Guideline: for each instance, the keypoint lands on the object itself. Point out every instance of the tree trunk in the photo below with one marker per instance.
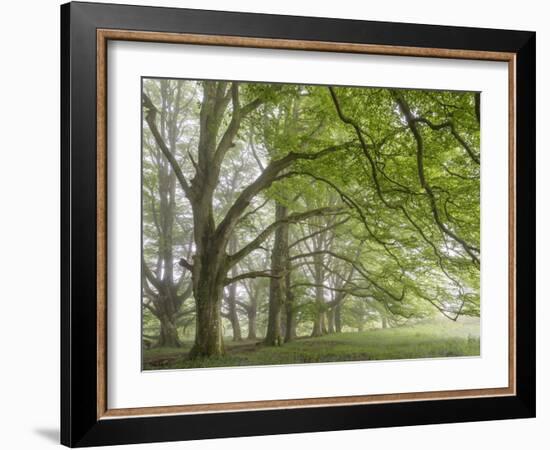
(168, 333)
(252, 312)
(331, 325)
(233, 317)
(338, 318)
(319, 327)
(252, 326)
(231, 298)
(208, 334)
(319, 322)
(290, 326)
(283, 320)
(290, 313)
(209, 273)
(279, 256)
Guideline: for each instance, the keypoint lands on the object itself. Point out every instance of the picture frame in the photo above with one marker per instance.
(86, 418)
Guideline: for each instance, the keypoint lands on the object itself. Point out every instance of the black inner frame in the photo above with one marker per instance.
(79, 423)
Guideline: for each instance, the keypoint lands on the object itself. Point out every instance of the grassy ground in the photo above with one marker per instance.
(420, 341)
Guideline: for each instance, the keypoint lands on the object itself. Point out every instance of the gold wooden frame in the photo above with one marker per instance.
(103, 36)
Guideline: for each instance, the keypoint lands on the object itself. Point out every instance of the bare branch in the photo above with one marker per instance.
(149, 275)
(150, 118)
(358, 267)
(292, 218)
(226, 142)
(322, 230)
(255, 274)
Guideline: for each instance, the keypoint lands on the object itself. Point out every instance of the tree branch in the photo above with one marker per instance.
(404, 107)
(455, 134)
(150, 118)
(184, 263)
(149, 275)
(255, 274)
(358, 267)
(226, 142)
(292, 218)
(322, 230)
(267, 177)
(151, 309)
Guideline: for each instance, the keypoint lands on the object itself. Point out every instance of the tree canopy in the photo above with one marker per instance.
(305, 210)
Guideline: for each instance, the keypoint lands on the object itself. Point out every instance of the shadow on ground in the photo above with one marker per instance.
(50, 434)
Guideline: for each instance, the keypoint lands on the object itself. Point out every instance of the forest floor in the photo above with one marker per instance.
(409, 342)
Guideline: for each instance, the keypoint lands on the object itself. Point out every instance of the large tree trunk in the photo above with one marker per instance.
(209, 274)
(279, 258)
(208, 334)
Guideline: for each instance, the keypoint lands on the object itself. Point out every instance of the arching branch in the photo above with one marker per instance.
(405, 109)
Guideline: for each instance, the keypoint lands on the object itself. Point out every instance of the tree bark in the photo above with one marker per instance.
(319, 327)
(208, 291)
(168, 336)
(279, 258)
(338, 318)
(231, 298)
(233, 316)
(290, 313)
(252, 326)
(290, 317)
(290, 325)
(251, 310)
(331, 327)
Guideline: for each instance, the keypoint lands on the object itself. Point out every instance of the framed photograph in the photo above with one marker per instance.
(276, 224)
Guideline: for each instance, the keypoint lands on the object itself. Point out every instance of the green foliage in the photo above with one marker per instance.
(399, 173)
